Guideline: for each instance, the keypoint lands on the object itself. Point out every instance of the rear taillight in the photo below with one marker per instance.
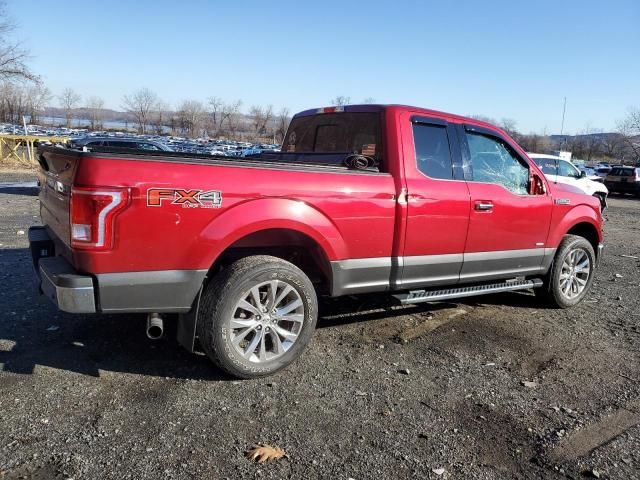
(93, 212)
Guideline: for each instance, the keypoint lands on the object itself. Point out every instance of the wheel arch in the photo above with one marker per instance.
(588, 231)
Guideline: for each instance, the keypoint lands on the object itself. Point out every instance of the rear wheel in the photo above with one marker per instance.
(257, 316)
(571, 274)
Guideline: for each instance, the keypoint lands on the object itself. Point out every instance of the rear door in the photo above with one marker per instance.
(438, 203)
(508, 226)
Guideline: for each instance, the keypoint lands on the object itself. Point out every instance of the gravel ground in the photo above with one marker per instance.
(494, 387)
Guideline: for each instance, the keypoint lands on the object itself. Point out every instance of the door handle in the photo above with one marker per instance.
(484, 206)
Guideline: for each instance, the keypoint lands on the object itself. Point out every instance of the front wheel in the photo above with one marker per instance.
(257, 316)
(603, 200)
(571, 274)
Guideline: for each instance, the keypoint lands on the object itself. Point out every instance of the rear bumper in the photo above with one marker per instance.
(165, 291)
(57, 279)
(69, 291)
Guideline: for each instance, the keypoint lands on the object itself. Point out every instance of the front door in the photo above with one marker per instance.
(437, 204)
(508, 226)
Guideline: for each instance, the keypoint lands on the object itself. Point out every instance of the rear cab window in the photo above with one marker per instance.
(332, 137)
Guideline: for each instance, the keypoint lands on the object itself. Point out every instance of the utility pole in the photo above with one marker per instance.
(564, 140)
(564, 109)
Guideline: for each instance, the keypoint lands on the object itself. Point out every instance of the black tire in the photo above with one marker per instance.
(220, 303)
(603, 200)
(551, 292)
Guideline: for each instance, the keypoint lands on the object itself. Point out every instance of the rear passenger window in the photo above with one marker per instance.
(493, 161)
(433, 157)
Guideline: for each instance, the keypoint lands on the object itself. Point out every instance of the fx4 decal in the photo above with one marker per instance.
(186, 198)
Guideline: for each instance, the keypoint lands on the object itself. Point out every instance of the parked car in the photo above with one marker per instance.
(119, 142)
(558, 170)
(623, 179)
(602, 172)
(423, 205)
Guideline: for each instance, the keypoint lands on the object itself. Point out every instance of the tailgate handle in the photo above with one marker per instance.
(484, 206)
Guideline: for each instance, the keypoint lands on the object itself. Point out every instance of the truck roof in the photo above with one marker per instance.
(383, 107)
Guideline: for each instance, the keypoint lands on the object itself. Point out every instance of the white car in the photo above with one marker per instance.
(562, 171)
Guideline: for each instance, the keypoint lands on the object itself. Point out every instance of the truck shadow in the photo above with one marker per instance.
(33, 333)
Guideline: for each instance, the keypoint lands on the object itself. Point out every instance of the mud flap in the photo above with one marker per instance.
(187, 325)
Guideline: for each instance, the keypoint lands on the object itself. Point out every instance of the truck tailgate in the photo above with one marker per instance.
(57, 171)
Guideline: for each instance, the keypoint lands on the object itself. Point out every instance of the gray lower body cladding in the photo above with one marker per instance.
(401, 273)
(153, 291)
(164, 291)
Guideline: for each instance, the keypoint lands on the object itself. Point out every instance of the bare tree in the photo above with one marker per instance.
(282, 124)
(95, 109)
(484, 118)
(38, 96)
(341, 100)
(69, 100)
(160, 116)
(192, 115)
(592, 143)
(369, 100)
(13, 56)
(261, 118)
(629, 128)
(613, 145)
(229, 113)
(215, 106)
(140, 104)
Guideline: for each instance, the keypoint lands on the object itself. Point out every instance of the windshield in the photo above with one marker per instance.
(344, 132)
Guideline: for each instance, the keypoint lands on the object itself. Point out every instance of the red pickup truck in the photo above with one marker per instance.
(422, 204)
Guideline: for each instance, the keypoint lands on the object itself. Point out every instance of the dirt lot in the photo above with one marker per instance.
(430, 391)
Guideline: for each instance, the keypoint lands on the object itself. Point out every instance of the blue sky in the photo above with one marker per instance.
(502, 59)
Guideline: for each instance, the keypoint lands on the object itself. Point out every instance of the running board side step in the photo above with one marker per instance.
(419, 296)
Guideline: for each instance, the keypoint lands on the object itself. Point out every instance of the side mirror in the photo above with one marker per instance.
(537, 185)
(583, 174)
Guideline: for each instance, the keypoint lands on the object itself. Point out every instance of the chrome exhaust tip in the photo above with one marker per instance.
(155, 326)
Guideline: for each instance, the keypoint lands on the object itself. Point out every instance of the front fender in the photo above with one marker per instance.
(571, 217)
(268, 213)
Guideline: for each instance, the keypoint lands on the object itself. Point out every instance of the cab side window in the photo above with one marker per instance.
(433, 156)
(493, 161)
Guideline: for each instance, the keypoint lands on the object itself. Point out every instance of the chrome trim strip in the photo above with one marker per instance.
(432, 259)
